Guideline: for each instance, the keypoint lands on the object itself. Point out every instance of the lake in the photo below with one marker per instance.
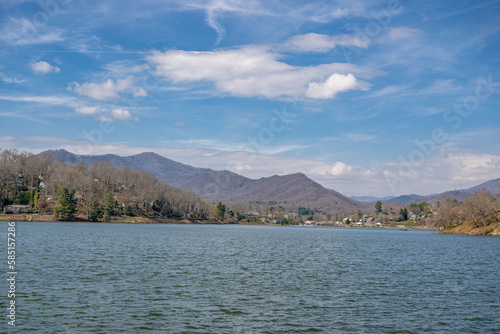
(126, 278)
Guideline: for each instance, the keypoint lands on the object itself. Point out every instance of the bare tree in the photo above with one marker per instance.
(448, 214)
(480, 207)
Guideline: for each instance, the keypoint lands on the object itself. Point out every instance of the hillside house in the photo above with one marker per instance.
(16, 208)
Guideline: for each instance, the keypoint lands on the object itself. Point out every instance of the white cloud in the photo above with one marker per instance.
(140, 93)
(398, 33)
(340, 168)
(283, 13)
(449, 169)
(42, 67)
(122, 114)
(335, 84)
(256, 72)
(11, 80)
(214, 9)
(211, 18)
(359, 137)
(313, 42)
(107, 116)
(105, 91)
(88, 110)
(50, 100)
(104, 118)
(20, 32)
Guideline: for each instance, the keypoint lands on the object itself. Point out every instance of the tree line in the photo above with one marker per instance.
(98, 191)
(481, 208)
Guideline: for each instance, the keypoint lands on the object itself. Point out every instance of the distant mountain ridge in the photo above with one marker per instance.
(492, 186)
(170, 171)
(291, 191)
(370, 199)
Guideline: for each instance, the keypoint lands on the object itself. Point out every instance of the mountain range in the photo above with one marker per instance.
(492, 186)
(290, 191)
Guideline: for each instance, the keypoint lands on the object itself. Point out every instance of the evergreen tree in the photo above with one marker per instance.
(95, 211)
(35, 199)
(109, 205)
(220, 211)
(378, 207)
(403, 214)
(65, 207)
(24, 198)
(127, 211)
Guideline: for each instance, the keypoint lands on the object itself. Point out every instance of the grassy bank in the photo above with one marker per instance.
(469, 228)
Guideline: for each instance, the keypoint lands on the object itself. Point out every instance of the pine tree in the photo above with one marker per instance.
(95, 211)
(127, 211)
(221, 211)
(65, 207)
(403, 214)
(109, 205)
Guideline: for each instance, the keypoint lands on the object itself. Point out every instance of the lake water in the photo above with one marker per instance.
(124, 278)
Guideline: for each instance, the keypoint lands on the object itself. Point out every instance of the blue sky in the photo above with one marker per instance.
(365, 97)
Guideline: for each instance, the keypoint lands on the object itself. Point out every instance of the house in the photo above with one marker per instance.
(16, 208)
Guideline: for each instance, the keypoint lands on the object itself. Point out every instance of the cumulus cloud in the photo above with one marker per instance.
(122, 114)
(335, 84)
(257, 72)
(107, 116)
(448, 169)
(104, 91)
(42, 67)
(340, 168)
(88, 110)
(313, 42)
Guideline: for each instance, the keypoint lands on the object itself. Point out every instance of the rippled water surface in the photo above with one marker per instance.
(124, 278)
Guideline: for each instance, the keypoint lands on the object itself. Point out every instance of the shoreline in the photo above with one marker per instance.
(468, 228)
(26, 217)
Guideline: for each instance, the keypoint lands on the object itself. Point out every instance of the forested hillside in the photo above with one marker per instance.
(95, 191)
